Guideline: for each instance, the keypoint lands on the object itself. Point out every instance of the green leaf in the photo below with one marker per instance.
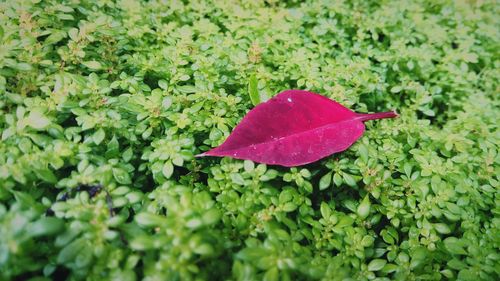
(289, 207)
(121, 176)
(45, 226)
(163, 84)
(396, 89)
(168, 169)
(166, 103)
(149, 219)
(454, 246)
(204, 249)
(93, 65)
(248, 165)
(70, 252)
(187, 89)
(337, 179)
(457, 264)
(363, 152)
(54, 37)
(37, 120)
(349, 180)
(325, 210)
(271, 274)
(325, 181)
(46, 175)
(143, 242)
(376, 264)
(184, 77)
(127, 154)
(253, 91)
(252, 253)
(442, 228)
(364, 208)
(98, 136)
(211, 217)
(388, 268)
(237, 179)
(22, 66)
(345, 221)
(194, 223)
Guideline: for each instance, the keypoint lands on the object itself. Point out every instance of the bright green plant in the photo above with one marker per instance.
(122, 94)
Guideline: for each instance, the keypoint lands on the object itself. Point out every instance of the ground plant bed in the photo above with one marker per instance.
(105, 104)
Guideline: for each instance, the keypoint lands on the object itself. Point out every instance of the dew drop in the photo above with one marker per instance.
(289, 100)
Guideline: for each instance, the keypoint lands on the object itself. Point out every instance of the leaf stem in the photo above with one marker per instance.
(378, 115)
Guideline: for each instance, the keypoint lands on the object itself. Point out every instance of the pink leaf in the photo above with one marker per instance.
(295, 128)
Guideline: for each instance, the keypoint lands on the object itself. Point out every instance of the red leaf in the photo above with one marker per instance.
(295, 128)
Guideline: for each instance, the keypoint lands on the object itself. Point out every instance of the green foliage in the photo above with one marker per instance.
(125, 93)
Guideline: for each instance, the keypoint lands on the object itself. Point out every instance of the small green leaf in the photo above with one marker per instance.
(271, 274)
(187, 89)
(168, 169)
(128, 154)
(93, 65)
(194, 223)
(22, 66)
(325, 210)
(442, 228)
(388, 268)
(289, 207)
(46, 175)
(363, 152)
(73, 33)
(396, 89)
(454, 246)
(248, 165)
(337, 179)
(364, 208)
(55, 36)
(253, 91)
(121, 176)
(457, 264)
(177, 160)
(45, 226)
(98, 136)
(345, 221)
(69, 252)
(211, 216)
(163, 84)
(325, 181)
(184, 77)
(143, 242)
(37, 120)
(149, 219)
(166, 103)
(376, 264)
(204, 249)
(237, 179)
(349, 180)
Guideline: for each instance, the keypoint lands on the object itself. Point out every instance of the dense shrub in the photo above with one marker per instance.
(103, 105)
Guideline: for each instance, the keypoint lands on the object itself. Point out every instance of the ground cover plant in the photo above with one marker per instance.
(103, 105)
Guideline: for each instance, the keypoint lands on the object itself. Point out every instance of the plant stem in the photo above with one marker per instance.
(378, 115)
